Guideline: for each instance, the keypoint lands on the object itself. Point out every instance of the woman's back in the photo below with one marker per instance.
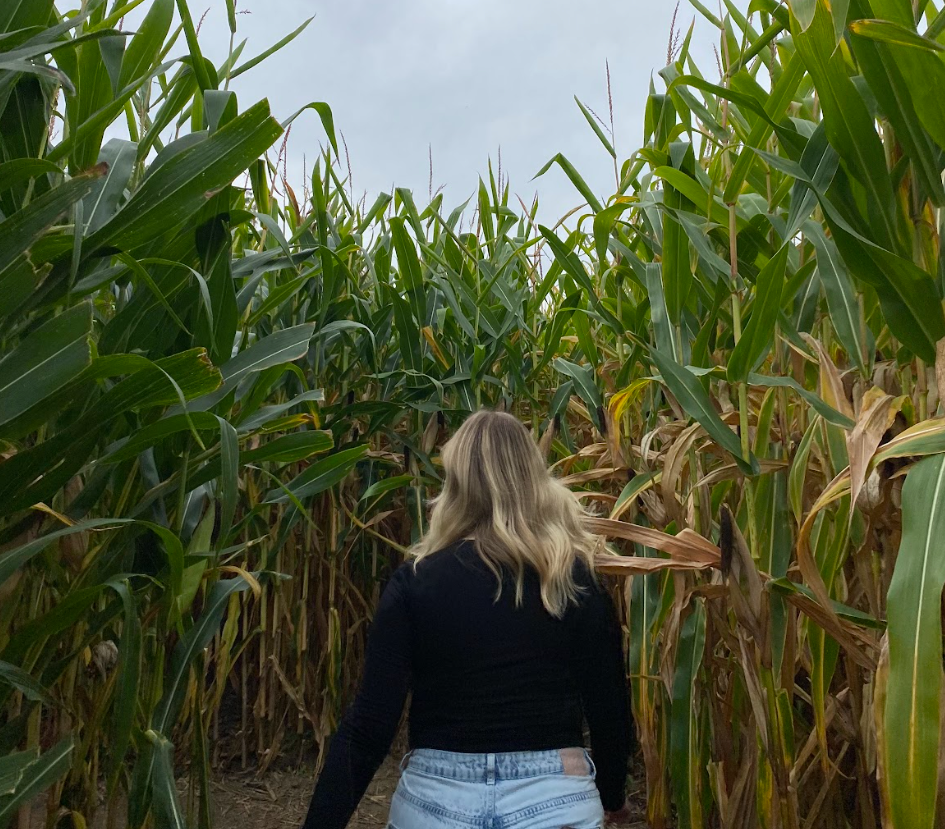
(506, 642)
(489, 676)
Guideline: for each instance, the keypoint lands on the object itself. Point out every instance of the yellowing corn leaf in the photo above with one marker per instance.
(831, 386)
(875, 418)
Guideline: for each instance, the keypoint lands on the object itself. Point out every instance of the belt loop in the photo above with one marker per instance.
(490, 769)
(405, 762)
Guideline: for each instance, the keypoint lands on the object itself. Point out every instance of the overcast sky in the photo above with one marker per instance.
(462, 77)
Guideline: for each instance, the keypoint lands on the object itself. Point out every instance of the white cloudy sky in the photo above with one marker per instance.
(463, 77)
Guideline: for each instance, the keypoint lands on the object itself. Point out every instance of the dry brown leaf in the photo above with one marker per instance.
(831, 385)
(875, 418)
(430, 433)
(858, 645)
(590, 475)
(544, 443)
(688, 546)
(940, 368)
(676, 458)
(638, 565)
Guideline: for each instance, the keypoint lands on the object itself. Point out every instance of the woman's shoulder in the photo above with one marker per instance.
(413, 568)
(459, 550)
(585, 577)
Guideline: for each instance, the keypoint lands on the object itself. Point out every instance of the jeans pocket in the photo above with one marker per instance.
(576, 762)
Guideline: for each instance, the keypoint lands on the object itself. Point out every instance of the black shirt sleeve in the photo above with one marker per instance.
(370, 724)
(603, 683)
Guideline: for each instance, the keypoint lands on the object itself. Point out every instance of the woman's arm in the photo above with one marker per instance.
(370, 724)
(602, 678)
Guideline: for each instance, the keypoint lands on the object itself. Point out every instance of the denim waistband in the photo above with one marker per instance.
(484, 768)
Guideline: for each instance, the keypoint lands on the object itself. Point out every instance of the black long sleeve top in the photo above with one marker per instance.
(486, 676)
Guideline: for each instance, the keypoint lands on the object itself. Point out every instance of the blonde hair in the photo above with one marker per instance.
(499, 492)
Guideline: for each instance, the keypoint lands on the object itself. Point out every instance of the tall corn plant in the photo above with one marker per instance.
(778, 240)
(129, 392)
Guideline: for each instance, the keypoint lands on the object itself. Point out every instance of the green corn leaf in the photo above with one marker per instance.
(585, 385)
(849, 614)
(694, 400)
(756, 339)
(47, 466)
(291, 448)
(827, 412)
(102, 203)
(167, 806)
(596, 126)
(228, 490)
(255, 61)
(186, 650)
(782, 94)
(217, 329)
(13, 560)
(676, 263)
(892, 74)
(635, 487)
(144, 49)
(320, 475)
(267, 414)
(569, 261)
(663, 330)
(908, 295)
(604, 223)
(23, 229)
(153, 434)
(841, 299)
(12, 767)
(803, 10)
(48, 359)
(685, 768)
(847, 120)
(128, 676)
(36, 778)
(23, 682)
(382, 487)
(325, 115)
(886, 31)
(188, 180)
(798, 474)
(283, 346)
(912, 715)
(575, 177)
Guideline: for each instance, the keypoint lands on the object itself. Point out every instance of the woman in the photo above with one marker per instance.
(504, 638)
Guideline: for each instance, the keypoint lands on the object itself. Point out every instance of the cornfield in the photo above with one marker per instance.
(221, 400)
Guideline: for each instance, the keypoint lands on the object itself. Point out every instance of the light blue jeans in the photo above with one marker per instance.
(523, 790)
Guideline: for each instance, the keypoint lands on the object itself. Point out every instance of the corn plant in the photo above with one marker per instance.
(781, 227)
(121, 331)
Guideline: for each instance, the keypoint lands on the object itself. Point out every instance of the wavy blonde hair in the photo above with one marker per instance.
(499, 493)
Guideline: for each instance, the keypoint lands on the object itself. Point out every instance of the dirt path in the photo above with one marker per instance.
(280, 799)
